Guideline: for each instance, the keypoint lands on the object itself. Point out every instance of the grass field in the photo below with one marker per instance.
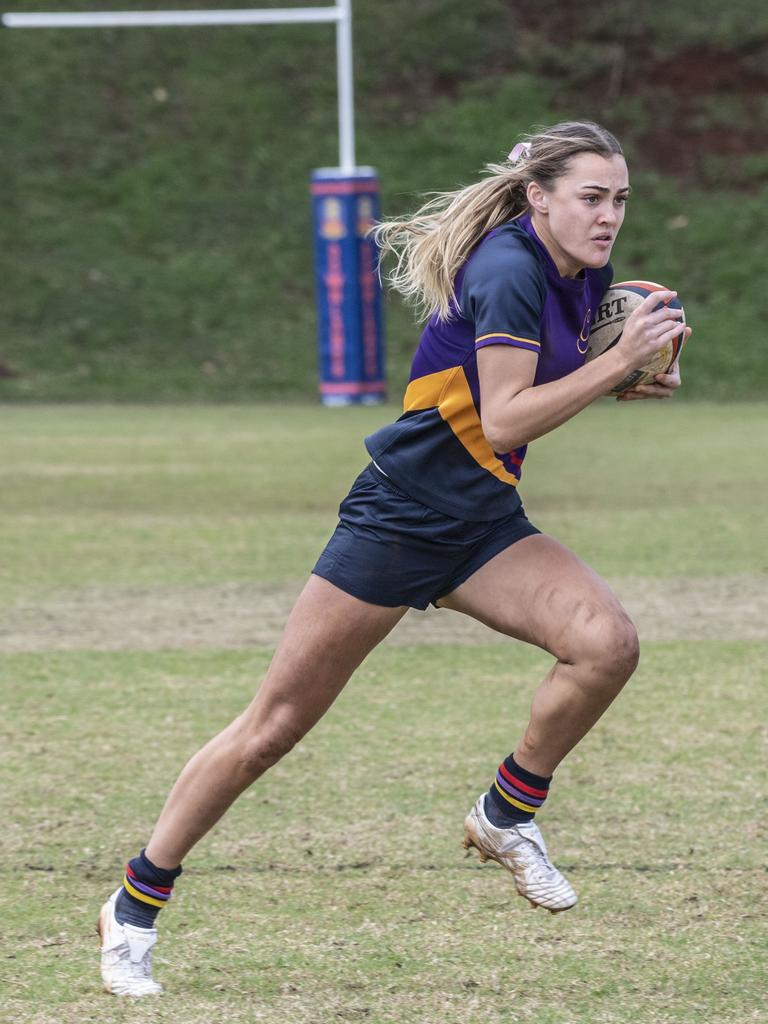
(147, 557)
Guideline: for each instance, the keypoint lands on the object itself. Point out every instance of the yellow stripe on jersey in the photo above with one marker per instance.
(514, 337)
(448, 392)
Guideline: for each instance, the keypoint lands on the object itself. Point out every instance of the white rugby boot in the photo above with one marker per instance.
(521, 850)
(126, 954)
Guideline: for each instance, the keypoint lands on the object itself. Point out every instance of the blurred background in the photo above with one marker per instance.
(156, 242)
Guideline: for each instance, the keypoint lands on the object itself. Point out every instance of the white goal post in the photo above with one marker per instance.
(345, 200)
(341, 14)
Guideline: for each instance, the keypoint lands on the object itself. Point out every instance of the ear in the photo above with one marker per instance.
(537, 197)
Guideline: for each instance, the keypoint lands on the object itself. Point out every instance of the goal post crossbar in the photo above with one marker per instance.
(138, 19)
(340, 14)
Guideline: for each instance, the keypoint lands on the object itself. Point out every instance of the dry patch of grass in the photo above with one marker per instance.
(243, 615)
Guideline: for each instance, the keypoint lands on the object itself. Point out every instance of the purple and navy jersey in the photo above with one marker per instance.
(509, 293)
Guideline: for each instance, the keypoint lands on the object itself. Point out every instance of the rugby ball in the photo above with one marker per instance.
(608, 324)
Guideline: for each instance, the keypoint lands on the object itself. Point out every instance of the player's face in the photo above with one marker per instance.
(579, 219)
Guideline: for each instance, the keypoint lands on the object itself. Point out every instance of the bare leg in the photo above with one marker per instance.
(540, 592)
(327, 636)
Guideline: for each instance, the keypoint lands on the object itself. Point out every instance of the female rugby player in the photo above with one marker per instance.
(509, 270)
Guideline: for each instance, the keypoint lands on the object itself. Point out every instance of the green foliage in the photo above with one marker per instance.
(687, 23)
(157, 245)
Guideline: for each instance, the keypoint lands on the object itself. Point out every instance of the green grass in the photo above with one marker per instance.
(149, 496)
(336, 889)
(157, 245)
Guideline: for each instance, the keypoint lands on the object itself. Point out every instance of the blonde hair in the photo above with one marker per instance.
(432, 244)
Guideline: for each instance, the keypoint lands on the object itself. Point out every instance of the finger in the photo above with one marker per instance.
(664, 295)
(646, 391)
(635, 396)
(670, 379)
(665, 313)
(665, 332)
(652, 391)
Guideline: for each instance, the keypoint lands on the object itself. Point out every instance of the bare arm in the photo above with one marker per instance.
(515, 412)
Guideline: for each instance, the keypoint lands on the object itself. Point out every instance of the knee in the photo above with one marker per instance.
(624, 646)
(610, 646)
(262, 747)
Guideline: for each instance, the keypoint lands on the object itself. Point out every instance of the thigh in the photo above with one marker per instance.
(538, 591)
(328, 634)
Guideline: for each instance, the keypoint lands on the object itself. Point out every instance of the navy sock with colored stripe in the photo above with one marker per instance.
(146, 890)
(515, 795)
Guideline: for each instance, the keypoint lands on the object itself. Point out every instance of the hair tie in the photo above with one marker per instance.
(521, 152)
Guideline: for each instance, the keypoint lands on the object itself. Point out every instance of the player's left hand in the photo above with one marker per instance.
(664, 387)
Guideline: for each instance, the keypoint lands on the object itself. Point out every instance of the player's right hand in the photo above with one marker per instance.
(648, 329)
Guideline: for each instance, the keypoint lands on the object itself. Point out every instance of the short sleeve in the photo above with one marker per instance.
(503, 293)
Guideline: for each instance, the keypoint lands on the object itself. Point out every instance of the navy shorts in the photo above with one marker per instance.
(391, 550)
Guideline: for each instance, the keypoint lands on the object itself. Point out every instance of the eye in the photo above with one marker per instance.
(622, 199)
(592, 200)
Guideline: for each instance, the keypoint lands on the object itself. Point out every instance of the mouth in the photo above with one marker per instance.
(605, 239)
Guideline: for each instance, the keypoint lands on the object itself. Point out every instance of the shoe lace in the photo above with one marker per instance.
(537, 857)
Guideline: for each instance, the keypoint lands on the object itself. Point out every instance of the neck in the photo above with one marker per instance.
(565, 266)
